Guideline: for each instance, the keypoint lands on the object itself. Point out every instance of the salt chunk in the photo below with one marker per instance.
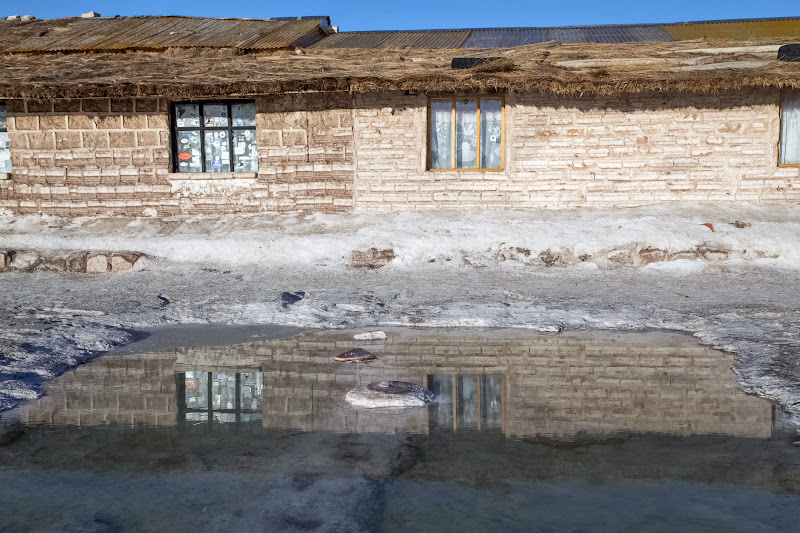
(370, 336)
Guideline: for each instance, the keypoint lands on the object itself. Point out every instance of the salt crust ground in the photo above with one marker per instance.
(232, 270)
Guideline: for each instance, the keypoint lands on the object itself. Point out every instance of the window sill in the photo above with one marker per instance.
(788, 165)
(212, 175)
(5, 176)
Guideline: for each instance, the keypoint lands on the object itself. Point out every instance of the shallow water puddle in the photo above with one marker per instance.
(577, 431)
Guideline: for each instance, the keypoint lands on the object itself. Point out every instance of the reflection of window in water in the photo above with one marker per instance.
(220, 396)
(467, 400)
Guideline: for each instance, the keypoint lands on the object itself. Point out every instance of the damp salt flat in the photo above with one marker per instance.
(533, 432)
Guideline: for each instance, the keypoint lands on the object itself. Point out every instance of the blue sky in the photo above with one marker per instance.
(419, 14)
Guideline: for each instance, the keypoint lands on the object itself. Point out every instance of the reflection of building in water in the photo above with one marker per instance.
(219, 396)
(467, 401)
(551, 385)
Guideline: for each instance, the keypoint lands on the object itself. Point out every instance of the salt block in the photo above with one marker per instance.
(369, 336)
(356, 354)
(25, 260)
(123, 261)
(97, 263)
(390, 394)
(76, 262)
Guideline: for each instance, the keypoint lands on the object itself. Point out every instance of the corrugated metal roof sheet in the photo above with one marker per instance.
(164, 32)
(505, 37)
(398, 39)
(509, 37)
(735, 29)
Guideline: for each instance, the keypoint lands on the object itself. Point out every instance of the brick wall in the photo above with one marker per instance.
(79, 157)
(306, 152)
(587, 151)
(554, 385)
(341, 152)
(112, 156)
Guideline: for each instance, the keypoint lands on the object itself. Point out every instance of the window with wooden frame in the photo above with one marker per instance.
(466, 133)
(789, 147)
(214, 137)
(5, 152)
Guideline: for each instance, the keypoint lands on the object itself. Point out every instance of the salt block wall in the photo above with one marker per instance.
(588, 151)
(112, 156)
(336, 152)
(81, 157)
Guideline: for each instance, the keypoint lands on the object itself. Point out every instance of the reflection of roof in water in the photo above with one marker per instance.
(517, 382)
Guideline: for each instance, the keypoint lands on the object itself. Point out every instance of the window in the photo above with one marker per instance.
(790, 128)
(207, 134)
(220, 396)
(466, 133)
(468, 401)
(5, 153)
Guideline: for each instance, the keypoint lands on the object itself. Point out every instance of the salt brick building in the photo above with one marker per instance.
(175, 115)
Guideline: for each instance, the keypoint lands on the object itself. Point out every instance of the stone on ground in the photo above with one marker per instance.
(356, 354)
(370, 335)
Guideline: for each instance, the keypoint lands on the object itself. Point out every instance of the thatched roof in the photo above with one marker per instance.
(698, 65)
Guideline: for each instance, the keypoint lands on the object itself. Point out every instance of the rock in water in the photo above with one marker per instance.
(390, 394)
(356, 354)
(369, 336)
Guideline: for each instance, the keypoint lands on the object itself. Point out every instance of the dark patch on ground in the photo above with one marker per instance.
(291, 298)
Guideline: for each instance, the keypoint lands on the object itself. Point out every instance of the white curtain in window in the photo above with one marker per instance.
(491, 132)
(790, 128)
(441, 132)
(5, 153)
(466, 133)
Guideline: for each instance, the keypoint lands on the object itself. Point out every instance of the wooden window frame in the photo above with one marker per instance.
(453, 99)
(780, 132)
(230, 128)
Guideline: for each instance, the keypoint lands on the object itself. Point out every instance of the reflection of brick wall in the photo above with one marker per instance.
(553, 384)
(127, 390)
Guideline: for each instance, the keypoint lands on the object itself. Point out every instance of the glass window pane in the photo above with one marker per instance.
(441, 412)
(215, 116)
(245, 151)
(491, 132)
(218, 156)
(244, 114)
(492, 399)
(467, 401)
(441, 131)
(3, 118)
(196, 417)
(187, 115)
(5, 153)
(466, 133)
(189, 152)
(790, 128)
(223, 388)
(252, 390)
(196, 390)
